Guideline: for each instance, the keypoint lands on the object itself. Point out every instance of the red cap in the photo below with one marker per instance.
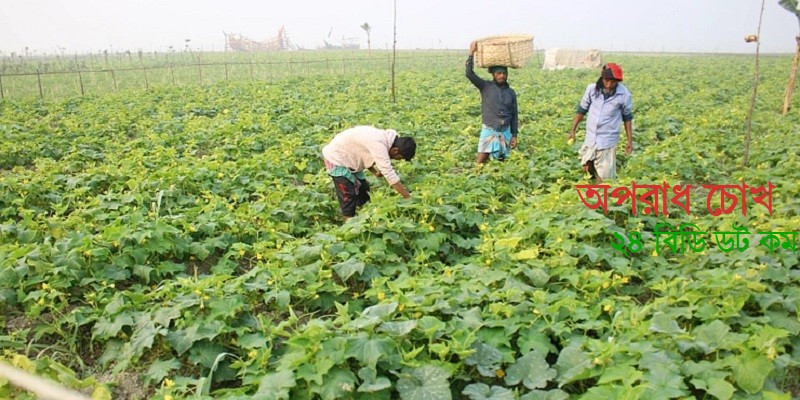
(613, 70)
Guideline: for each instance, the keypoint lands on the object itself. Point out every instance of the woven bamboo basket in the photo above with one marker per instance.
(512, 51)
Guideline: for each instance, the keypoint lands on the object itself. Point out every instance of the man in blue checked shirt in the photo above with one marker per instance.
(607, 103)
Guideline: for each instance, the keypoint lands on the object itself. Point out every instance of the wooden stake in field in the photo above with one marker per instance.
(787, 96)
(80, 79)
(755, 92)
(43, 388)
(39, 81)
(394, 50)
(793, 7)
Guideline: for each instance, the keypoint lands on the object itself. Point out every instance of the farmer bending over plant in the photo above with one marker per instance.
(498, 111)
(357, 149)
(608, 103)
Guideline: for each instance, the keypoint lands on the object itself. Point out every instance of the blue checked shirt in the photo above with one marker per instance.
(605, 115)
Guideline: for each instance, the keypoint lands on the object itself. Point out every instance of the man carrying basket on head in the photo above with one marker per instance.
(498, 110)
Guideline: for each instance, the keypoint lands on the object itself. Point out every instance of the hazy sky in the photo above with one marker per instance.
(611, 25)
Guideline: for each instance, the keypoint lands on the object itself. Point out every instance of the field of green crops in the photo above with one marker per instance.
(57, 78)
(185, 242)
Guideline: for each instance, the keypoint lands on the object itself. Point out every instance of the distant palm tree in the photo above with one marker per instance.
(367, 29)
(793, 7)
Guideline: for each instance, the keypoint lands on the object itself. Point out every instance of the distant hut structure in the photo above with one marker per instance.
(555, 59)
(347, 44)
(350, 43)
(237, 42)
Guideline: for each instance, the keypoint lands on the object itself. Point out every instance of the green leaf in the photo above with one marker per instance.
(425, 383)
(663, 323)
(626, 374)
(225, 307)
(105, 328)
(486, 358)
(716, 335)
(664, 383)
(347, 268)
(784, 320)
(615, 392)
(275, 386)
(308, 372)
(339, 383)
(766, 336)
(532, 370)
(379, 310)
(160, 369)
(66, 375)
(373, 315)
(658, 359)
(334, 349)
(572, 364)
(470, 319)
(497, 337)
(791, 5)
(530, 339)
(705, 369)
(144, 335)
(593, 253)
(709, 376)
(538, 276)
(205, 353)
(101, 392)
(199, 250)
(398, 328)
(282, 297)
(369, 350)
(440, 349)
(164, 315)
(308, 251)
(776, 396)
(555, 394)
(527, 254)
(750, 371)
(251, 341)
(430, 242)
(377, 385)
(481, 391)
(371, 382)
(182, 341)
(507, 243)
(430, 326)
(717, 387)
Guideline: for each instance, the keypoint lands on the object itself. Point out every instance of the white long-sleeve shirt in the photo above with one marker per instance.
(361, 147)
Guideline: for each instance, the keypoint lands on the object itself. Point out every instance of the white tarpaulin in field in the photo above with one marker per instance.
(575, 59)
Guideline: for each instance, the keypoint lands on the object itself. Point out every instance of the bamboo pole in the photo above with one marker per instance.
(43, 388)
(80, 79)
(748, 134)
(394, 52)
(39, 81)
(787, 97)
